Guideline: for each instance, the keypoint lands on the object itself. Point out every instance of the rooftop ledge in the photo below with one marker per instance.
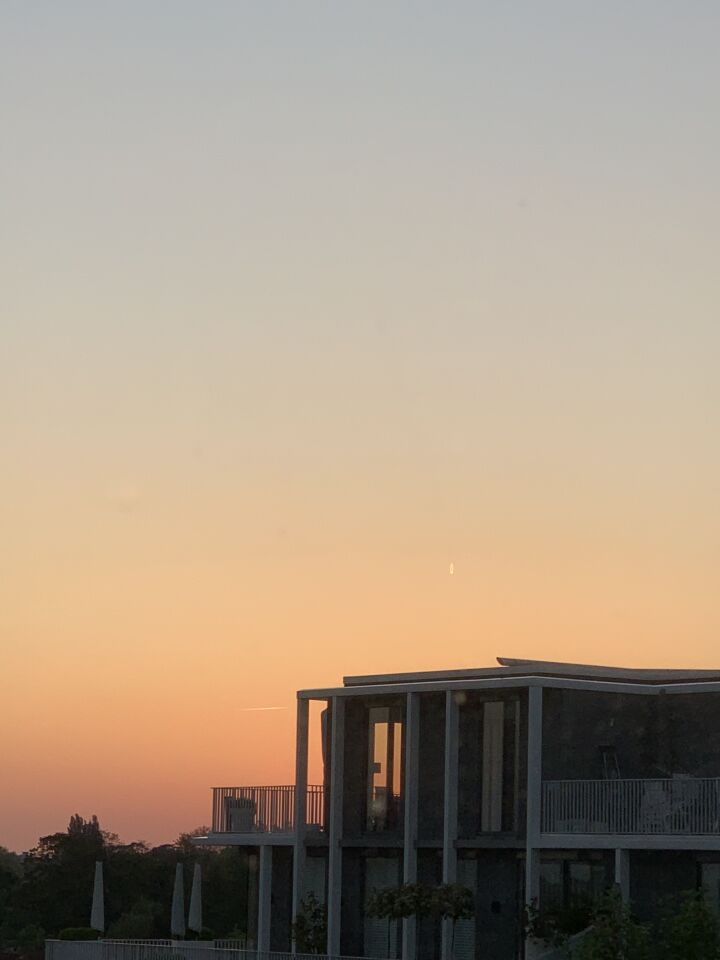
(510, 667)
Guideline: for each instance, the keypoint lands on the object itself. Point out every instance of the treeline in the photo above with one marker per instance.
(50, 887)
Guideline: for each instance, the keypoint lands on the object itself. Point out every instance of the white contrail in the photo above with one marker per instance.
(248, 709)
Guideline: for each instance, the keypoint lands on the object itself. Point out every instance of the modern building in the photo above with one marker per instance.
(529, 781)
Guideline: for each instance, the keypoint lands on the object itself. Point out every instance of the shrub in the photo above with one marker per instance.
(615, 934)
(132, 926)
(79, 933)
(309, 928)
(688, 931)
(555, 926)
(30, 937)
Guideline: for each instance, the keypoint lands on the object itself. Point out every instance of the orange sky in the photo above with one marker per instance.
(302, 304)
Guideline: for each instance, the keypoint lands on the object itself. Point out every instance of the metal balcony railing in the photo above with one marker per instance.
(264, 809)
(161, 950)
(681, 805)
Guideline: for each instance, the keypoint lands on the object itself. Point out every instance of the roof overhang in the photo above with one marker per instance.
(510, 667)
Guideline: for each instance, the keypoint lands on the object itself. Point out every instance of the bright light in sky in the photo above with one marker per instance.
(272, 273)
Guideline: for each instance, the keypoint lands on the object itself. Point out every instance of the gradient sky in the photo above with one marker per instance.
(302, 303)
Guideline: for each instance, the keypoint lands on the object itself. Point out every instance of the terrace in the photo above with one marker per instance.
(678, 806)
(265, 810)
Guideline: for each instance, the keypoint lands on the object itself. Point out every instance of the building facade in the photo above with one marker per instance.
(529, 782)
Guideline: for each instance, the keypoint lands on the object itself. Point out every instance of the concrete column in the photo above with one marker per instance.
(534, 795)
(301, 775)
(622, 874)
(412, 749)
(449, 869)
(264, 897)
(337, 761)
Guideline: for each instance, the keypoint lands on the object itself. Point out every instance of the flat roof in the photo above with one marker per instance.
(509, 667)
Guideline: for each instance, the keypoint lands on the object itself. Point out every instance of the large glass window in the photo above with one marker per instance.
(586, 881)
(710, 882)
(552, 885)
(385, 757)
(571, 882)
(492, 772)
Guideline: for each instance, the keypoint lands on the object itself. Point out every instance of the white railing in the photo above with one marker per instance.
(264, 809)
(161, 950)
(681, 805)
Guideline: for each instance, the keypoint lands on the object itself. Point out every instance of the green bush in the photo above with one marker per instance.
(556, 925)
(79, 933)
(688, 930)
(615, 934)
(30, 937)
(132, 926)
(309, 929)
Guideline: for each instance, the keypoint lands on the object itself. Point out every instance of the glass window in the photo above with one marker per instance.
(586, 880)
(385, 754)
(710, 882)
(551, 884)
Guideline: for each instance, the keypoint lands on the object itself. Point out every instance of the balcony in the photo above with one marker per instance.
(680, 806)
(264, 809)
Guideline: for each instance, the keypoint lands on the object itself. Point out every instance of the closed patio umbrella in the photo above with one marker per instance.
(97, 913)
(195, 912)
(177, 915)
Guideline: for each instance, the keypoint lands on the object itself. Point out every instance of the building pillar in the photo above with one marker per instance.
(622, 874)
(301, 776)
(264, 899)
(412, 749)
(449, 868)
(337, 759)
(534, 796)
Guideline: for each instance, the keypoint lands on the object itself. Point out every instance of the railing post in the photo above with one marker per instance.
(412, 742)
(301, 769)
(449, 867)
(335, 818)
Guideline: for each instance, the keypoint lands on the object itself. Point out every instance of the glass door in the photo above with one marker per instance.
(385, 748)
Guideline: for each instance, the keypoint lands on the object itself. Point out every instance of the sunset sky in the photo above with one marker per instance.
(302, 303)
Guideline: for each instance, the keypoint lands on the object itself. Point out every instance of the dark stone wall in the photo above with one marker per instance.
(497, 905)
(355, 767)
(429, 871)
(470, 758)
(281, 899)
(577, 724)
(351, 911)
(690, 724)
(431, 764)
(653, 736)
